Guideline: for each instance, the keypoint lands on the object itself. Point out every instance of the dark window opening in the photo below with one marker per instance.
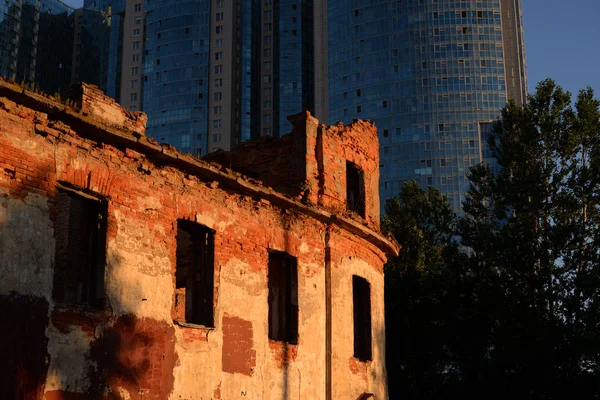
(361, 296)
(283, 297)
(80, 232)
(355, 189)
(194, 273)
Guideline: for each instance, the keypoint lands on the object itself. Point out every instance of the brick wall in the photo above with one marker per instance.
(131, 347)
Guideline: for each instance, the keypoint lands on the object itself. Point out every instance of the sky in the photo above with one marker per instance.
(562, 42)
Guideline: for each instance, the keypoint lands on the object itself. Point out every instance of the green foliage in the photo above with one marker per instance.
(524, 294)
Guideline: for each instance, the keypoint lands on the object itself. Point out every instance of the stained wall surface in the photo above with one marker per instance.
(129, 346)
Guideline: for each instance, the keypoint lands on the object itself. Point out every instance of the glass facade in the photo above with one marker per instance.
(176, 72)
(294, 75)
(430, 74)
(10, 26)
(37, 43)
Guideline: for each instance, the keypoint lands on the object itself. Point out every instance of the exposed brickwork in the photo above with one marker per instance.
(239, 355)
(135, 355)
(130, 347)
(283, 353)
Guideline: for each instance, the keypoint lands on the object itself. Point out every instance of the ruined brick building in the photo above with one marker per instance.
(131, 271)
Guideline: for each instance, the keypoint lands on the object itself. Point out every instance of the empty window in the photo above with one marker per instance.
(283, 298)
(355, 189)
(80, 231)
(361, 296)
(194, 273)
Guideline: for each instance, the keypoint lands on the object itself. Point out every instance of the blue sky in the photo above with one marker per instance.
(562, 40)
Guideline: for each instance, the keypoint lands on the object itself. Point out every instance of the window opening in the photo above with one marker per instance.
(361, 296)
(80, 231)
(194, 273)
(283, 297)
(355, 189)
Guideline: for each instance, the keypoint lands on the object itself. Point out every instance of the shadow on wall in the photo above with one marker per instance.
(120, 356)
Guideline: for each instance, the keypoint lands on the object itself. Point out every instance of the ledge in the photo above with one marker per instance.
(193, 326)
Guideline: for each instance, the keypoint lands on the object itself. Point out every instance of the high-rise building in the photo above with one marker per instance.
(211, 74)
(432, 75)
(36, 43)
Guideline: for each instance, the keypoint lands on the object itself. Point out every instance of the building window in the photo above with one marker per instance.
(267, 91)
(217, 123)
(267, 78)
(283, 298)
(267, 132)
(133, 83)
(137, 8)
(136, 32)
(194, 273)
(218, 110)
(267, 39)
(135, 58)
(220, 3)
(136, 45)
(133, 96)
(134, 71)
(218, 96)
(355, 189)
(80, 231)
(218, 82)
(218, 42)
(267, 52)
(218, 55)
(268, 27)
(267, 105)
(219, 29)
(218, 69)
(361, 299)
(137, 20)
(219, 16)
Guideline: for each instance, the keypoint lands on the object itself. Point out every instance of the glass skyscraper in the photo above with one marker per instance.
(213, 73)
(432, 75)
(37, 42)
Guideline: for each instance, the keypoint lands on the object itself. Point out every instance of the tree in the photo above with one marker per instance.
(505, 301)
(533, 223)
(420, 293)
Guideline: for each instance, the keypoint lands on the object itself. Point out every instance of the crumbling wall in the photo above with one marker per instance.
(130, 347)
(356, 142)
